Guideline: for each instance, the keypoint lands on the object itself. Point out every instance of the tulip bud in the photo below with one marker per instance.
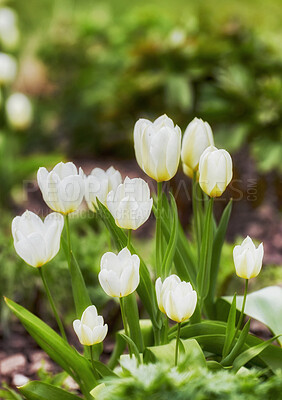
(62, 188)
(119, 275)
(8, 69)
(197, 137)
(98, 185)
(35, 241)
(19, 111)
(90, 329)
(157, 147)
(176, 298)
(215, 169)
(248, 259)
(130, 204)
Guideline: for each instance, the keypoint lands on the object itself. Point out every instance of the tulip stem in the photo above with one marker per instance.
(52, 304)
(92, 362)
(195, 205)
(177, 343)
(159, 231)
(129, 239)
(124, 320)
(68, 237)
(242, 310)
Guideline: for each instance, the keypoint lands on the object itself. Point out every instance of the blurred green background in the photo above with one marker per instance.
(92, 68)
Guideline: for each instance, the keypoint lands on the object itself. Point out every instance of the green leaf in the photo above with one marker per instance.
(132, 315)
(37, 390)
(9, 394)
(216, 255)
(165, 353)
(171, 246)
(56, 347)
(230, 328)
(146, 288)
(79, 290)
(264, 305)
(238, 346)
(252, 352)
(132, 345)
(103, 369)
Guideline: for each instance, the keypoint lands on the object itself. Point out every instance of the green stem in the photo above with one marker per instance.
(195, 205)
(243, 309)
(52, 304)
(177, 342)
(124, 320)
(129, 239)
(92, 362)
(68, 237)
(159, 231)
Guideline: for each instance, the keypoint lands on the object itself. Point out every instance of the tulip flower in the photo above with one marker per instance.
(35, 241)
(119, 275)
(8, 69)
(9, 32)
(176, 298)
(130, 204)
(19, 111)
(197, 137)
(90, 329)
(248, 259)
(62, 188)
(157, 147)
(215, 169)
(98, 185)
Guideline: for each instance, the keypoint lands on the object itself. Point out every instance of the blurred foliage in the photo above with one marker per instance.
(161, 382)
(107, 70)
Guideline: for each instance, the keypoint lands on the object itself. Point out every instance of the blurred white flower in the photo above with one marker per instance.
(176, 298)
(98, 185)
(62, 188)
(9, 32)
(119, 275)
(8, 69)
(130, 204)
(248, 259)
(91, 328)
(35, 241)
(157, 147)
(19, 111)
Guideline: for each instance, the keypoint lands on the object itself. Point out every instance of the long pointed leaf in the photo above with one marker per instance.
(37, 390)
(132, 315)
(171, 246)
(238, 346)
(230, 328)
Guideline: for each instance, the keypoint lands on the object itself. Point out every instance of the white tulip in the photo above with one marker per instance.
(248, 259)
(35, 241)
(130, 204)
(176, 298)
(157, 147)
(9, 33)
(215, 169)
(19, 111)
(62, 188)
(8, 69)
(119, 275)
(197, 137)
(98, 185)
(91, 328)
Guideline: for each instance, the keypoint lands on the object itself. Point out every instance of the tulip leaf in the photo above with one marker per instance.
(79, 290)
(171, 246)
(9, 394)
(215, 261)
(132, 316)
(252, 352)
(119, 348)
(132, 345)
(103, 369)
(238, 346)
(62, 353)
(230, 328)
(264, 305)
(146, 288)
(37, 390)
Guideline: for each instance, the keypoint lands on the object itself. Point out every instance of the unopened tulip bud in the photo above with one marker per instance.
(130, 204)
(248, 259)
(157, 147)
(19, 111)
(176, 298)
(98, 185)
(62, 188)
(215, 171)
(197, 137)
(91, 328)
(35, 241)
(119, 275)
